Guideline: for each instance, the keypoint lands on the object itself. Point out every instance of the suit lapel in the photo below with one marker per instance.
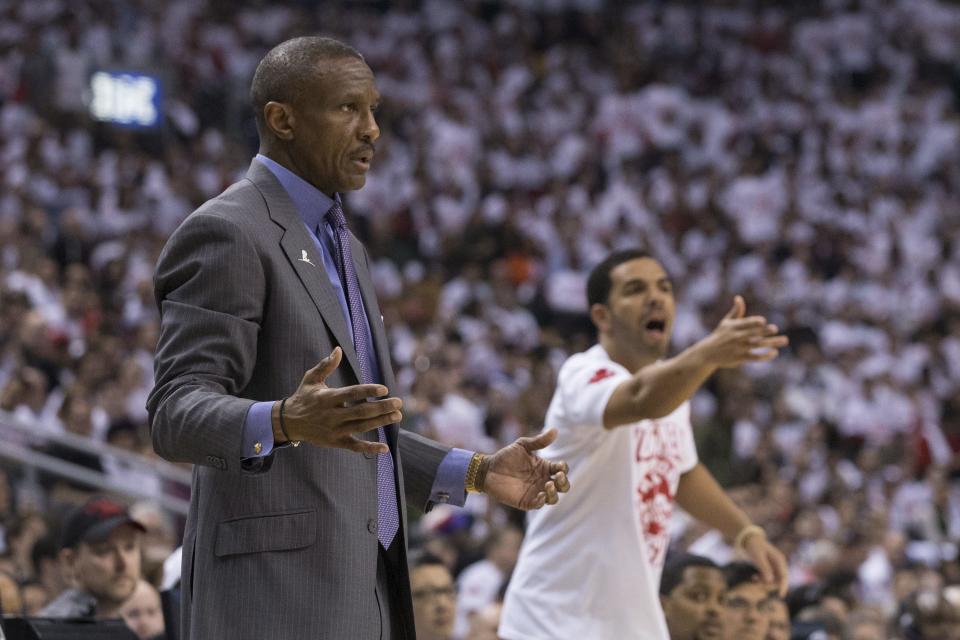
(295, 241)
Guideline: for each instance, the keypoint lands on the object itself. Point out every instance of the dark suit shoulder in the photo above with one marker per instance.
(231, 230)
(239, 211)
(241, 203)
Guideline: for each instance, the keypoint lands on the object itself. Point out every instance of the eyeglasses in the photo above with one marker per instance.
(435, 592)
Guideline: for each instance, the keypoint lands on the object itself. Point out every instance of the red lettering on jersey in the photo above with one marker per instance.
(656, 455)
(600, 375)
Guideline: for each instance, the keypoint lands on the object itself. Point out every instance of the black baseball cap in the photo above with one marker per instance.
(94, 521)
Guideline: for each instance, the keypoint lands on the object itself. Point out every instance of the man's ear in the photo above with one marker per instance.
(600, 315)
(279, 120)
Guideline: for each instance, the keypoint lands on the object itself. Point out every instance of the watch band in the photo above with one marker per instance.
(472, 471)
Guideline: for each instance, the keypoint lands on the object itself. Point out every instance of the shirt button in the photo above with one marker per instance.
(368, 455)
(257, 447)
(372, 526)
(443, 497)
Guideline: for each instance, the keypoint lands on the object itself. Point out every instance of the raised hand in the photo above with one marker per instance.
(738, 339)
(518, 478)
(330, 416)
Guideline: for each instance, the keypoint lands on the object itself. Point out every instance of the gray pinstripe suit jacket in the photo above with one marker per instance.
(285, 548)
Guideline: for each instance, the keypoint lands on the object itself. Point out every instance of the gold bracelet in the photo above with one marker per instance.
(471, 479)
(745, 533)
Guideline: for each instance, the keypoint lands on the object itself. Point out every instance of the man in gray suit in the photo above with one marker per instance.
(255, 287)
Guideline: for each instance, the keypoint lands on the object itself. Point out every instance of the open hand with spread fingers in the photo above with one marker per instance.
(739, 339)
(519, 478)
(332, 416)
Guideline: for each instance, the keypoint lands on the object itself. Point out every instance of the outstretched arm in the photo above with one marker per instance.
(702, 497)
(658, 389)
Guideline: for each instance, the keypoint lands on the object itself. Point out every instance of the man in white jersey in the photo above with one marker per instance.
(589, 569)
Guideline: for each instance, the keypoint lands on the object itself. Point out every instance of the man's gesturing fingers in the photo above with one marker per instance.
(538, 501)
(361, 446)
(550, 490)
(737, 310)
(538, 442)
(324, 368)
(368, 424)
(328, 416)
(560, 480)
(762, 562)
(750, 324)
(768, 342)
(356, 394)
(367, 410)
(771, 564)
(779, 565)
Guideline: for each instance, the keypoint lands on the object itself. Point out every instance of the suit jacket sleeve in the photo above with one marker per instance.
(421, 457)
(210, 288)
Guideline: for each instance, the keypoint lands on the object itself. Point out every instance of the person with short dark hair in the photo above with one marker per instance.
(46, 564)
(590, 567)
(747, 602)
(434, 598)
(271, 337)
(100, 548)
(691, 593)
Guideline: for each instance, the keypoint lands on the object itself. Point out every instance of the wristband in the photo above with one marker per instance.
(745, 533)
(283, 427)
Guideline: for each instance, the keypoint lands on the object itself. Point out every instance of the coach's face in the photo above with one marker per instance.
(332, 127)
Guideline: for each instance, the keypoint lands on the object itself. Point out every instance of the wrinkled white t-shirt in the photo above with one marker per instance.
(590, 565)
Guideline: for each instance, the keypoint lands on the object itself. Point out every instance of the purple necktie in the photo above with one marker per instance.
(387, 512)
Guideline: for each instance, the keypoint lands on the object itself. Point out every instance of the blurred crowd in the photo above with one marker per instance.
(805, 155)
